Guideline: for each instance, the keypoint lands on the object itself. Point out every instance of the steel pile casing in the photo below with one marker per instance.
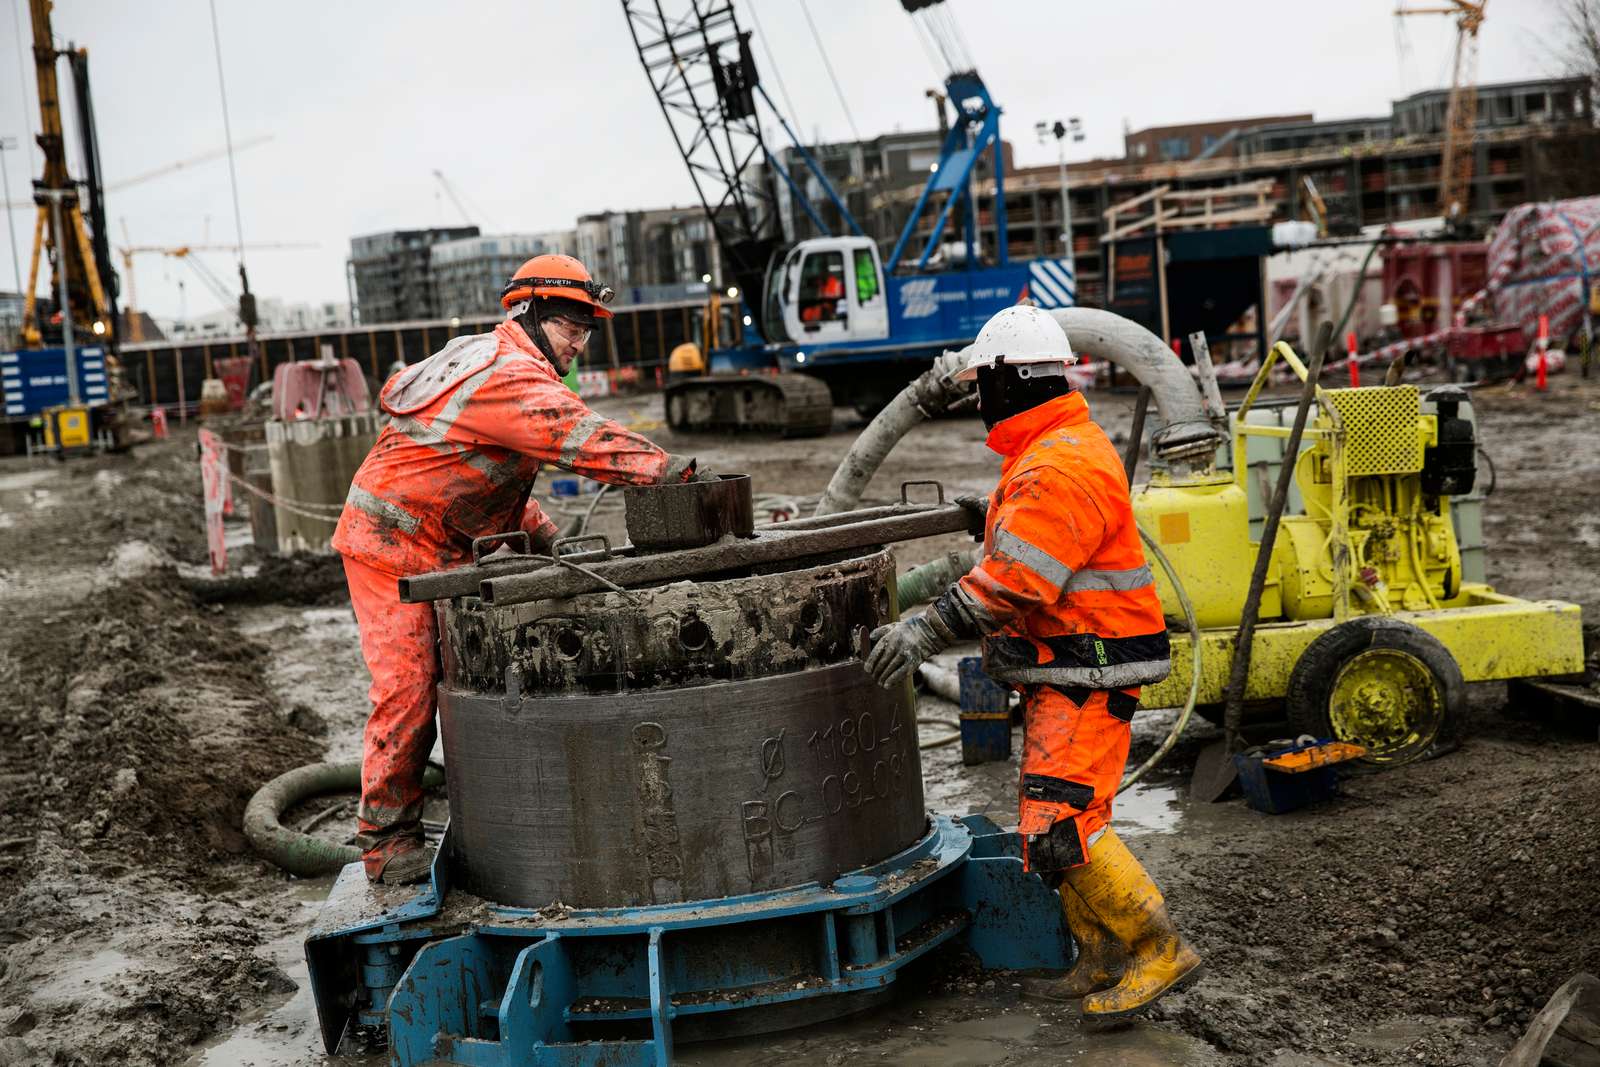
(689, 741)
(313, 462)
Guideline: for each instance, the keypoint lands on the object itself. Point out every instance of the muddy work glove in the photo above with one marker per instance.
(702, 474)
(679, 469)
(544, 538)
(900, 648)
(977, 509)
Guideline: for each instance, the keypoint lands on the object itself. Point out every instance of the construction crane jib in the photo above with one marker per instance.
(1461, 114)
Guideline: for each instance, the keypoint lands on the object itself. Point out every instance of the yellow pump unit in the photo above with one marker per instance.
(1370, 623)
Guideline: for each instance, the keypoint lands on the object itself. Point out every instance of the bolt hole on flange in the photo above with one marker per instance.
(811, 617)
(569, 644)
(883, 603)
(694, 635)
(535, 985)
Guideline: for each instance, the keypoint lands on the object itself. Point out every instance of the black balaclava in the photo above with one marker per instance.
(540, 308)
(1003, 392)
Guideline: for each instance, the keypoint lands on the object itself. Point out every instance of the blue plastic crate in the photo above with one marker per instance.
(985, 715)
(985, 736)
(563, 487)
(1276, 791)
(978, 692)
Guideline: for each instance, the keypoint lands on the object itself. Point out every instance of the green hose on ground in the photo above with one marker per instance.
(302, 854)
(921, 584)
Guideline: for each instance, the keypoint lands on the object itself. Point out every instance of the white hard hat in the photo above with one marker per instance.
(1020, 334)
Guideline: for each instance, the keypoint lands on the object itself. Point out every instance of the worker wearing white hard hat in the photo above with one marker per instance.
(1068, 613)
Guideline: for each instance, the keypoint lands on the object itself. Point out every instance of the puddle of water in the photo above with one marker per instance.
(949, 1052)
(1008, 1027)
(281, 1034)
(919, 1032)
(952, 787)
(1147, 809)
(1139, 1045)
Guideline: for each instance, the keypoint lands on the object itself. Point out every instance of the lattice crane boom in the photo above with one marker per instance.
(704, 78)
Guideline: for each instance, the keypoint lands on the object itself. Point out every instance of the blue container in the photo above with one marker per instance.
(563, 487)
(1275, 792)
(985, 715)
(978, 692)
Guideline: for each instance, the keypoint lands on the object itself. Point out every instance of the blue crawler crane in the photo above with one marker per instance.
(826, 319)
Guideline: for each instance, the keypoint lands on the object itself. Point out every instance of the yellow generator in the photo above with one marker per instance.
(68, 429)
(1375, 613)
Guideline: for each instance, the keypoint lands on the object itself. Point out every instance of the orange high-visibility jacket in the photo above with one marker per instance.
(1062, 594)
(471, 425)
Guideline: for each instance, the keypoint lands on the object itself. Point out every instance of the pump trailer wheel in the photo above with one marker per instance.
(1380, 683)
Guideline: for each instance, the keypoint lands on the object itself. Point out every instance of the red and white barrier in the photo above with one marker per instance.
(214, 480)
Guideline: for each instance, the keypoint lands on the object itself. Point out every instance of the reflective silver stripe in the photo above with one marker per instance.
(1031, 556)
(1111, 581)
(579, 436)
(421, 433)
(1088, 842)
(1115, 676)
(459, 397)
(425, 436)
(381, 509)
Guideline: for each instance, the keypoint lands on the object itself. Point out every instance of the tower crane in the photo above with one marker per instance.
(1461, 114)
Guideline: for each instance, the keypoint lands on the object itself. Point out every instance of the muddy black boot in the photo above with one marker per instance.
(399, 860)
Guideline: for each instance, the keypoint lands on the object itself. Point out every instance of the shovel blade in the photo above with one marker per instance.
(1215, 774)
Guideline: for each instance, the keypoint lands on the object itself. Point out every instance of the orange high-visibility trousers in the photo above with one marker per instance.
(1074, 750)
(400, 644)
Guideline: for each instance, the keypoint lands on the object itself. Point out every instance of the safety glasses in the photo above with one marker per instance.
(571, 331)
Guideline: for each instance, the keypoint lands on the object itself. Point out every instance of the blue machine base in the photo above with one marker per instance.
(464, 981)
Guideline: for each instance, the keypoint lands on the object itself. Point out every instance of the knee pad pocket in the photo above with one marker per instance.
(1042, 787)
(1056, 849)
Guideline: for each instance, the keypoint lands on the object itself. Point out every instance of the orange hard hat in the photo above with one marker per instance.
(557, 277)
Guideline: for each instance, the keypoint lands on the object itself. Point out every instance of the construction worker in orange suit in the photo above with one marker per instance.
(1069, 616)
(470, 427)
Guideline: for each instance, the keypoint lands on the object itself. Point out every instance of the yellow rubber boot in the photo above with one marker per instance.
(1127, 903)
(1100, 956)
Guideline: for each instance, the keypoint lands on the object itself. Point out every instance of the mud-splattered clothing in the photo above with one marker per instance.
(400, 644)
(471, 426)
(1069, 615)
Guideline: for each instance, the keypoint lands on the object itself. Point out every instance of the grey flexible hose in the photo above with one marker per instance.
(1186, 441)
(930, 393)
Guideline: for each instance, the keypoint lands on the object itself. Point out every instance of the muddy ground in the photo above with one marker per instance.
(1420, 919)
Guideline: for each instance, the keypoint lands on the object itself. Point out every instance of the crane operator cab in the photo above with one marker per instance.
(830, 289)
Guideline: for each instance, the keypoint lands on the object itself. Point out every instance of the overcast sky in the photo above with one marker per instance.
(538, 111)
